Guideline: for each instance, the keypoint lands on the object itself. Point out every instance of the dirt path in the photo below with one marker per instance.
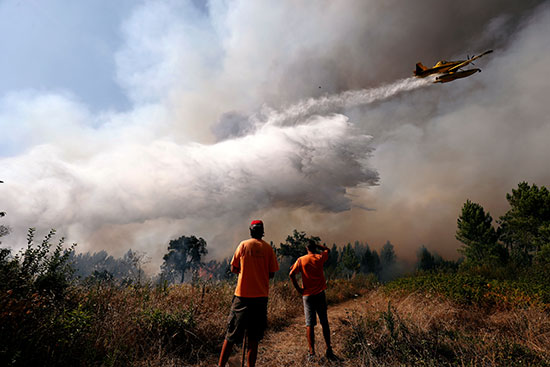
(288, 347)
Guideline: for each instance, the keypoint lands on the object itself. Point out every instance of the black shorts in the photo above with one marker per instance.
(315, 304)
(247, 314)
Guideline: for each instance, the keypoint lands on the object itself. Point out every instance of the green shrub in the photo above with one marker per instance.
(173, 329)
(474, 289)
(340, 289)
(41, 322)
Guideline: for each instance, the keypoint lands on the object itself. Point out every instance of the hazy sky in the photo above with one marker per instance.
(125, 124)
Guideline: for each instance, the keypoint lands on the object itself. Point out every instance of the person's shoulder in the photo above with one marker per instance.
(306, 257)
(244, 242)
(242, 245)
(255, 242)
(267, 246)
(248, 242)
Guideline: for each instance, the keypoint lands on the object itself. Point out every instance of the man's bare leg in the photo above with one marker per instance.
(310, 332)
(226, 351)
(252, 352)
(326, 334)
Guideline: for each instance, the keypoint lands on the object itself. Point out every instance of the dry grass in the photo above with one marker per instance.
(184, 325)
(375, 329)
(529, 327)
(419, 329)
(181, 325)
(147, 326)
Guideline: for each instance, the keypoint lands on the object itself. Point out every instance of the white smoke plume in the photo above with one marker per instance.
(310, 164)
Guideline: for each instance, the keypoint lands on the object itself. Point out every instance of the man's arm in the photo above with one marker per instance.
(236, 260)
(295, 283)
(323, 248)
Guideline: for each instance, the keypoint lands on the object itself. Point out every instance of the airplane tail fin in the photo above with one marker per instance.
(419, 69)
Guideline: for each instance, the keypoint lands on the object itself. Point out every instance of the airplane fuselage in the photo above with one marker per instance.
(445, 78)
(438, 68)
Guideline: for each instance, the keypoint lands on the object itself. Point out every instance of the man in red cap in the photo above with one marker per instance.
(255, 262)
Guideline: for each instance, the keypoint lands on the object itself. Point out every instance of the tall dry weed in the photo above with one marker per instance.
(419, 329)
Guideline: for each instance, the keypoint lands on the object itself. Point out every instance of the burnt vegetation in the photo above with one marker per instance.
(58, 307)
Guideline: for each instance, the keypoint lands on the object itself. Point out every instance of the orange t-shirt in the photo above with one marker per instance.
(313, 277)
(255, 259)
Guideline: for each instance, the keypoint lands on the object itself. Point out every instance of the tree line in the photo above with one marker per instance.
(185, 261)
(519, 241)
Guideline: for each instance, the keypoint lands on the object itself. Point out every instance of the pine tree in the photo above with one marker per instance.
(387, 255)
(476, 232)
(349, 260)
(426, 261)
(525, 227)
(370, 262)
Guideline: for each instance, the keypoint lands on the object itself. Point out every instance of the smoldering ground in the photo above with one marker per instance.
(136, 178)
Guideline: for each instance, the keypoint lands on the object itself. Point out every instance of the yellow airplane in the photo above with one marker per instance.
(449, 70)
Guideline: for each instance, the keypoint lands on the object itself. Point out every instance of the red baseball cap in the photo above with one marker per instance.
(256, 223)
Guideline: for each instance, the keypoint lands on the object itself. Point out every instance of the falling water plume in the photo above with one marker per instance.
(347, 99)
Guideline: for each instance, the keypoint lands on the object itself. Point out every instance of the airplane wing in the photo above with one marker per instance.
(464, 63)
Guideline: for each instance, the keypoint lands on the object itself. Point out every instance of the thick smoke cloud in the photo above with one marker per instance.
(310, 164)
(232, 118)
(474, 140)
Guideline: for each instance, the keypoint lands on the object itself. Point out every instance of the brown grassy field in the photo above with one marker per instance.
(184, 325)
(422, 329)
(381, 329)
(373, 327)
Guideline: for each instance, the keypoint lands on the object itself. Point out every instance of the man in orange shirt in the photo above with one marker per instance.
(256, 263)
(313, 294)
